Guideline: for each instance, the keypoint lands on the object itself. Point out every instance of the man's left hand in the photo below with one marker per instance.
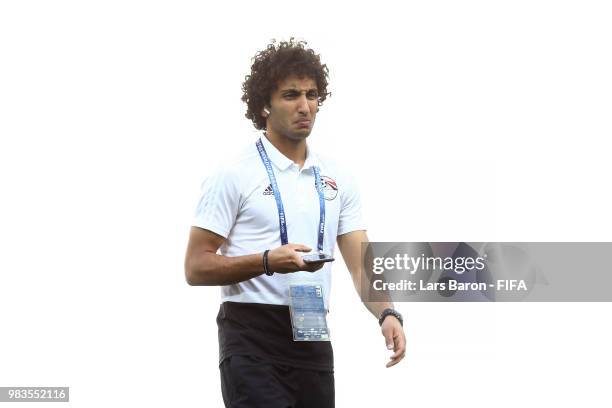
(395, 339)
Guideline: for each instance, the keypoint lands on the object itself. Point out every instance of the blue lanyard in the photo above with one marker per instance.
(282, 221)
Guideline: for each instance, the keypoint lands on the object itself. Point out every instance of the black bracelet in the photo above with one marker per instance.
(390, 312)
(267, 270)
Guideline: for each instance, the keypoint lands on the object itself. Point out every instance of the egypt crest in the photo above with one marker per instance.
(330, 188)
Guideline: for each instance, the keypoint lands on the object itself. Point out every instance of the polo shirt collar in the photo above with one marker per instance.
(283, 162)
(311, 159)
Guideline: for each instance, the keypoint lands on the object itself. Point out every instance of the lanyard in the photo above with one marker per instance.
(282, 221)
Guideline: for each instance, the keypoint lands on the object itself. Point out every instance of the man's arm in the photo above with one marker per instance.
(203, 266)
(350, 248)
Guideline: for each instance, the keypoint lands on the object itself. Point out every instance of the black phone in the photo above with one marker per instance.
(317, 258)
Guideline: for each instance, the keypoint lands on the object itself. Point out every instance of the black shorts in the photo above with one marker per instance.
(253, 383)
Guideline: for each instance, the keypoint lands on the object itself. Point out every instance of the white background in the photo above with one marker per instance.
(462, 121)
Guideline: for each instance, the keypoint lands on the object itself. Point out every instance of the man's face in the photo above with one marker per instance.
(293, 107)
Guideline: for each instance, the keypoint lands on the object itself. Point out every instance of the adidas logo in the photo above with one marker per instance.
(268, 190)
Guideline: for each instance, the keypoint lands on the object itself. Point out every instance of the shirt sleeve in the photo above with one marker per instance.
(350, 212)
(219, 203)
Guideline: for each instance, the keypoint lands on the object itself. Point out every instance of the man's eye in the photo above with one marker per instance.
(312, 95)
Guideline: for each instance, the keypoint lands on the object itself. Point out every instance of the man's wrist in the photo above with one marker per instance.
(390, 312)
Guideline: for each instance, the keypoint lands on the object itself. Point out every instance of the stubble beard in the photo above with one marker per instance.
(288, 133)
(298, 136)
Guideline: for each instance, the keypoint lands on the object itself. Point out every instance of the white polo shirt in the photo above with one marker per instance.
(238, 203)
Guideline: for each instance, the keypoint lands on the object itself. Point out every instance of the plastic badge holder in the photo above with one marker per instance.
(308, 313)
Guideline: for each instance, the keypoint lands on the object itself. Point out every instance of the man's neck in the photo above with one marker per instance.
(295, 150)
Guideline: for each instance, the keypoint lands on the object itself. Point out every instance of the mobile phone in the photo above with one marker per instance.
(317, 258)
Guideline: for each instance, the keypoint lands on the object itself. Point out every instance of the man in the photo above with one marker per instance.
(263, 212)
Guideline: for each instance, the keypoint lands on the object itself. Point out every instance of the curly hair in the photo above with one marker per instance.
(274, 64)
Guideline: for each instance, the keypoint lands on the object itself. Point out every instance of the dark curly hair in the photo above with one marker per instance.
(276, 63)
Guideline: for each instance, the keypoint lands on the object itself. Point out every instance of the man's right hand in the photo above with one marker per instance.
(288, 259)
(203, 266)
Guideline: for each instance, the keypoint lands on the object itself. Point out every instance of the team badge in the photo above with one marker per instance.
(330, 188)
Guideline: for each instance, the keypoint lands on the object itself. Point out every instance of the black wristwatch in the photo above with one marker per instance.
(390, 312)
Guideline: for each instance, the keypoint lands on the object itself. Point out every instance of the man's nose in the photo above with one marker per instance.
(303, 104)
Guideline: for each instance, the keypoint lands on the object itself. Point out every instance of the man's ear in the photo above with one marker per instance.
(266, 112)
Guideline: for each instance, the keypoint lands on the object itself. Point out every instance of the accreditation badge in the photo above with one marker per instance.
(308, 313)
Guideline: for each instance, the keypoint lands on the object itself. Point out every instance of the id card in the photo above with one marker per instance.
(308, 314)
